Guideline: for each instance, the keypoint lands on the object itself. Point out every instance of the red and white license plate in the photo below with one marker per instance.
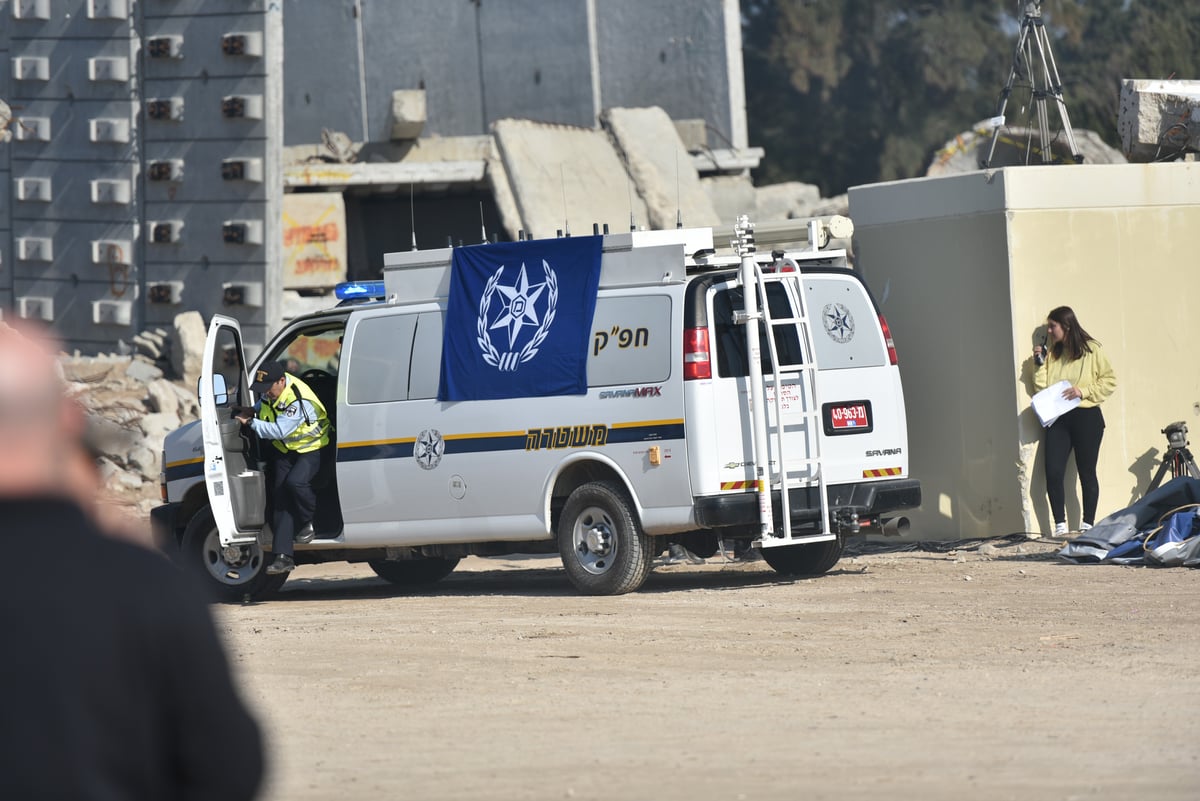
(848, 417)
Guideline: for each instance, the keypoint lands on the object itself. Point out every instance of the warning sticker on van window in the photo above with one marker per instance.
(847, 417)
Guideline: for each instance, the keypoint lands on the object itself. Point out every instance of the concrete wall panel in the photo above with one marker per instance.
(72, 250)
(73, 311)
(536, 65)
(403, 46)
(968, 266)
(202, 176)
(200, 51)
(68, 73)
(71, 191)
(674, 55)
(70, 130)
(321, 85)
(203, 117)
(202, 291)
(202, 240)
(430, 45)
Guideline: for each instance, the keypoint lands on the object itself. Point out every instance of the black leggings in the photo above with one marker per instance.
(1081, 429)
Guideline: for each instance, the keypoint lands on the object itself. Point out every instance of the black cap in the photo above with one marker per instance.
(265, 376)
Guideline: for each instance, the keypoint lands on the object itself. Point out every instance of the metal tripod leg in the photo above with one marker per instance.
(1162, 471)
(1185, 459)
(1005, 93)
(1032, 22)
(1053, 88)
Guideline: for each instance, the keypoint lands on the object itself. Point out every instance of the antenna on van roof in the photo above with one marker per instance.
(412, 215)
(562, 183)
(678, 209)
(629, 191)
(482, 224)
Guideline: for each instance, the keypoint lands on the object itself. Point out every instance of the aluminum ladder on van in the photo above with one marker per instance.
(794, 411)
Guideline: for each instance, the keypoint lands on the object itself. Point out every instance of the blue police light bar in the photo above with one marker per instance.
(360, 290)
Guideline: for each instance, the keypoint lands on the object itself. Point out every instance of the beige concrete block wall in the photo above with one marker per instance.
(966, 268)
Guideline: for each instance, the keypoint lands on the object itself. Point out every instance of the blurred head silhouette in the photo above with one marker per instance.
(40, 429)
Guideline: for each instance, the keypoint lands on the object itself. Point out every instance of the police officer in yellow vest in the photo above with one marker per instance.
(293, 418)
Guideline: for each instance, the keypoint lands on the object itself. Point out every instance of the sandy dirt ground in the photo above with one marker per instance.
(991, 672)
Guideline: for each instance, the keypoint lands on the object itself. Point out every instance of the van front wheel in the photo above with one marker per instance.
(229, 574)
(812, 559)
(603, 547)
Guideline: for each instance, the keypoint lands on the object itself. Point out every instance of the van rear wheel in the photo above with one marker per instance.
(812, 559)
(406, 572)
(603, 547)
(229, 574)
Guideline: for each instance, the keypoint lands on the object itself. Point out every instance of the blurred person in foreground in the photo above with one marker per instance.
(115, 685)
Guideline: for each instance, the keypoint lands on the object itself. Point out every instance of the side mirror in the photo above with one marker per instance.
(220, 390)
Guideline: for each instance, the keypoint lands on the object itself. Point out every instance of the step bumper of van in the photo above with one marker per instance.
(867, 499)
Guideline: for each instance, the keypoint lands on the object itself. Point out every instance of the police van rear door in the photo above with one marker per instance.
(862, 406)
(236, 487)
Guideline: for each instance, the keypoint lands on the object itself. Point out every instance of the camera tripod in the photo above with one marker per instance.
(1033, 33)
(1177, 459)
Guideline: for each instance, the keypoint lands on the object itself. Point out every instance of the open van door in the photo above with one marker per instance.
(236, 485)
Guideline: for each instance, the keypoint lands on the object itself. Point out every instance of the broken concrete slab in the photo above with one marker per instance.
(1159, 119)
(408, 113)
(559, 173)
(660, 166)
(731, 196)
(786, 200)
(187, 351)
(1015, 146)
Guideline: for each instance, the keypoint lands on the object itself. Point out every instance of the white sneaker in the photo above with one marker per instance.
(1084, 527)
(1060, 530)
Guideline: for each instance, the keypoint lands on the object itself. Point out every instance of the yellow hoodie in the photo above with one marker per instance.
(1092, 373)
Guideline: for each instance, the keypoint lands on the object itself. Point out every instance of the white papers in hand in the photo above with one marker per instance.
(1049, 404)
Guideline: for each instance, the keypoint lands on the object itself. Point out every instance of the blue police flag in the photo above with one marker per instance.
(519, 318)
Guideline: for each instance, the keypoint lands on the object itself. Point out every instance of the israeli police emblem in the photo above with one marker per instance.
(522, 320)
(428, 448)
(839, 322)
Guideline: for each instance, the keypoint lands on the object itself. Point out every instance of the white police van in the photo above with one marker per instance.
(698, 413)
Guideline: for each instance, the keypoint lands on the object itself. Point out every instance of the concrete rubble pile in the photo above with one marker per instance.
(132, 400)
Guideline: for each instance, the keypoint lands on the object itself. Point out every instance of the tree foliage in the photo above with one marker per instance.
(845, 92)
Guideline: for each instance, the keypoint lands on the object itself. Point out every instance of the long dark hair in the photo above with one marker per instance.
(1075, 341)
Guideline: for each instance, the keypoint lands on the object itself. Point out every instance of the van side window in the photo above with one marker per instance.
(732, 360)
(630, 341)
(426, 356)
(378, 369)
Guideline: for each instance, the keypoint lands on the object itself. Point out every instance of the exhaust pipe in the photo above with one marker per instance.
(896, 527)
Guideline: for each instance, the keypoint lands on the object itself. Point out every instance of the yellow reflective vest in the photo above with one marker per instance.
(310, 435)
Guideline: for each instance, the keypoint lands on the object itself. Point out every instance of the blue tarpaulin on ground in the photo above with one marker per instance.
(1160, 529)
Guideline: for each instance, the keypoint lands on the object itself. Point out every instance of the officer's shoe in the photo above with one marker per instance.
(283, 564)
(305, 534)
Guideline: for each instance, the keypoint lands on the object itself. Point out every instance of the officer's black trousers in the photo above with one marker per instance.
(292, 495)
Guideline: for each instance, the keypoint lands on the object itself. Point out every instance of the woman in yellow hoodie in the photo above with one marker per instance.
(1075, 356)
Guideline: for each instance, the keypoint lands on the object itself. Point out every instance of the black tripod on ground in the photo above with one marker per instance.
(1033, 34)
(1178, 459)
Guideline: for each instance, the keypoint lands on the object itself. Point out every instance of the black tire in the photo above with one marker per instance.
(225, 581)
(603, 547)
(812, 559)
(406, 572)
